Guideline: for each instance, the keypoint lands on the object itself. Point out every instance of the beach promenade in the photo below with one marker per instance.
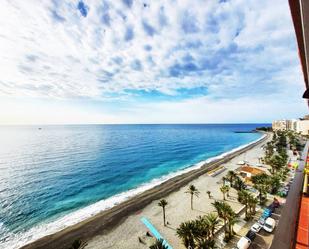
(178, 209)
(120, 227)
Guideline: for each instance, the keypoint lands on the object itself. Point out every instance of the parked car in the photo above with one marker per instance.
(283, 192)
(256, 227)
(271, 207)
(261, 221)
(267, 213)
(276, 203)
(243, 243)
(269, 225)
(251, 235)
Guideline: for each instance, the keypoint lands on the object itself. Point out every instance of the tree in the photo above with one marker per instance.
(192, 190)
(274, 183)
(77, 244)
(159, 244)
(238, 183)
(186, 232)
(252, 204)
(243, 198)
(231, 175)
(223, 209)
(224, 189)
(202, 231)
(213, 223)
(232, 220)
(276, 163)
(207, 244)
(163, 203)
(261, 184)
(229, 217)
(209, 194)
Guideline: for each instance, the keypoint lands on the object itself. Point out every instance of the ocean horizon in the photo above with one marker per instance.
(53, 176)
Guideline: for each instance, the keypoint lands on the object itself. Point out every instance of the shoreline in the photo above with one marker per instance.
(106, 220)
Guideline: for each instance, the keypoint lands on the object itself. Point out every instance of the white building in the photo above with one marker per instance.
(279, 125)
(297, 125)
(302, 126)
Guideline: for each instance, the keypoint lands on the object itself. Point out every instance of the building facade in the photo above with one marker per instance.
(279, 125)
(302, 126)
(297, 125)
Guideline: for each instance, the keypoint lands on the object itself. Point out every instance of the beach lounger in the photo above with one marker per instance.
(154, 231)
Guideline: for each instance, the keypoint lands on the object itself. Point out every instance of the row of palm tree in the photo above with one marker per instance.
(229, 217)
(199, 233)
(250, 202)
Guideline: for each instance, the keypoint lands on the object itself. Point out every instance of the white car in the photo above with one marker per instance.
(259, 165)
(269, 225)
(256, 227)
(243, 243)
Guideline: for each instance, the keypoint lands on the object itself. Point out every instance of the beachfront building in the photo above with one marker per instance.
(246, 172)
(279, 125)
(298, 125)
(291, 124)
(302, 126)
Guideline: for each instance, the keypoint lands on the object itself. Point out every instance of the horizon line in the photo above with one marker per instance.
(59, 124)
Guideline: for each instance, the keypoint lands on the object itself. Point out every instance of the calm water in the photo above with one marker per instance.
(53, 177)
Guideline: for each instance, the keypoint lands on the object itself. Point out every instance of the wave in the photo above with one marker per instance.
(14, 241)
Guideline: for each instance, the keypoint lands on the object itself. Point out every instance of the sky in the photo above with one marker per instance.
(131, 61)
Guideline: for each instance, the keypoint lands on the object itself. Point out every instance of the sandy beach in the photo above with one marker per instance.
(120, 227)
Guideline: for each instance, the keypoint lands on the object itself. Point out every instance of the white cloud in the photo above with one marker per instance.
(238, 49)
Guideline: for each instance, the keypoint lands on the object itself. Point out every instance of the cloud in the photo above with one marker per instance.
(110, 50)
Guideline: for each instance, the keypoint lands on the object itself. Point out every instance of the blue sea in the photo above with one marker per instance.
(55, 176)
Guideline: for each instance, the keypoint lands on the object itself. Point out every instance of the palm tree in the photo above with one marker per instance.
(159, 244)
(207, 244)
(78, 244)
(213, 223)
(163, 203)
(243, 198)
(231, 175)
(202, 231)
(186, 232)
(261, 183)
(262, 188)
(223, 209)
(238, 183)
(274, 183)
(277, 162)
(252, 201)
(209, 194)
(224, 189)
(192, 190)
(232, 220)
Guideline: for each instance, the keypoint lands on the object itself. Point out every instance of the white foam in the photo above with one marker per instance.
(15, 241)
